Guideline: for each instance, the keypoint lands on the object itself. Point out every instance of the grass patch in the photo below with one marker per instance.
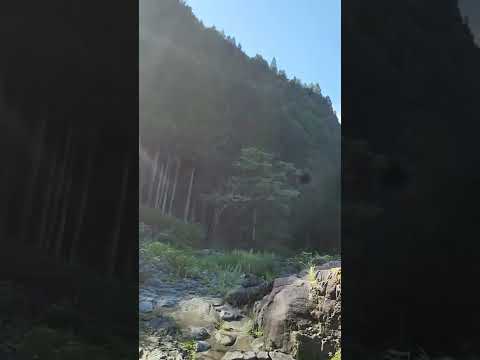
(311, 276)
(307, 260)
(255, 332)
(220, 270)
(190, 347)
(337, 356)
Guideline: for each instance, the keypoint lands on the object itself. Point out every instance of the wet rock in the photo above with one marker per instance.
(247, 295)
(248, 280)
(145, 306)
(199, 333)
(163, 323)
(228, 315)
(225, 339)
(202, 346)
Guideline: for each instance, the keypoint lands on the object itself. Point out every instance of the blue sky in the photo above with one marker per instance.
(303, 35)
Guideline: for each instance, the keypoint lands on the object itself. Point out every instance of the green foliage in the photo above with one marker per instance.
(337, 356)
(190, 347)
(308, 260)
(255, 331)
(261, 185)
(173, 230)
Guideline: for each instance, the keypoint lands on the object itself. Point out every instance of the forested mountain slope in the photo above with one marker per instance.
(203, 100)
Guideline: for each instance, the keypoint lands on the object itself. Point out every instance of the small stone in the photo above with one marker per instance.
(263, 355)
(199, 333)
(145, 306)
(217, 302)
(202, 346)
(225, 339)
(229, 316)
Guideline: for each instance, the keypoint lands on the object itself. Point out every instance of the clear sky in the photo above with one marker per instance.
(303, 35)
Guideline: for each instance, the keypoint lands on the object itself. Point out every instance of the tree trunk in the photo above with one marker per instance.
(48, 203)
(58, 194)
(63, 217)
(165, 191)
(152, 181)
(81, 213)
(254, 227)
(217, 213)
(189, 195)
(116, 233)
(159, 185)
(172, 199)
(194, 207)
(30, 191)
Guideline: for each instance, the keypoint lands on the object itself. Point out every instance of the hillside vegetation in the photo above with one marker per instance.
(229, 142)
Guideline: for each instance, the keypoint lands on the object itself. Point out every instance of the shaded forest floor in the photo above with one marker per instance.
(51, 310)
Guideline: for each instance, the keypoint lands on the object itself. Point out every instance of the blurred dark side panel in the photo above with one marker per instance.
(410, 88)
(69, 169)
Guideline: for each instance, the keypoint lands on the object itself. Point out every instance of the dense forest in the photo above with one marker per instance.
(408, 167)
(230, 142)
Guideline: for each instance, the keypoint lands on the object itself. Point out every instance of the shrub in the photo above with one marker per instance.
(171, 229)
(337, 356)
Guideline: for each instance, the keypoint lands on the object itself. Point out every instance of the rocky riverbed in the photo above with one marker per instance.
(284, 319)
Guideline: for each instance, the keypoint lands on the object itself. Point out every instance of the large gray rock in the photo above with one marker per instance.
(199, 333)
(225, 339)
(283, 310)
(301, 317)
(248, 293)
(202, 346)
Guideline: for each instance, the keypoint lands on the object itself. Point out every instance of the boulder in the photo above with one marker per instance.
(202, 346)
(225, 339)
(283, 310)
(247, 293)
(199, 333)
(301, 317)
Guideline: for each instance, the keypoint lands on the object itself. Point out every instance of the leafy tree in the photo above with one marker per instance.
(273, 65)
(262, 186)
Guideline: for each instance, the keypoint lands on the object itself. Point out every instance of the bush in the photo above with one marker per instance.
(171, 229)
